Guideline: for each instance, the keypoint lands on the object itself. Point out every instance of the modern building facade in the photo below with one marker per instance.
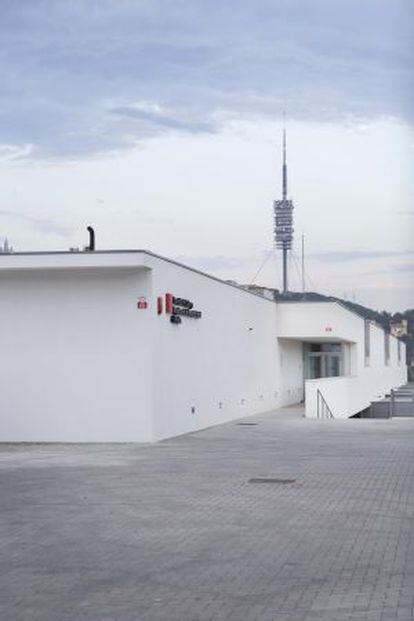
(127, 346)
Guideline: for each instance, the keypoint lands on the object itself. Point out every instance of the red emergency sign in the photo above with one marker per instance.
(142, 302)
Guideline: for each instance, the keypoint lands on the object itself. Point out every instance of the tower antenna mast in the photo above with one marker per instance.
(284, 170)
(283, 217)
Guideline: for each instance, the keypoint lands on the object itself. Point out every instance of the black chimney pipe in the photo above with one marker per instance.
(91, 246)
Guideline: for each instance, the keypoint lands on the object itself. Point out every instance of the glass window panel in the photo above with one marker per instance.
(367, 339)
(315, 347)
(331, 347)
(315, 367)
(333, 365)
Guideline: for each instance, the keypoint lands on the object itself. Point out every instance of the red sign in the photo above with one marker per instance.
(142, 302)
(169, 302)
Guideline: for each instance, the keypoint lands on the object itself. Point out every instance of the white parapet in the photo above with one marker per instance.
(346, 396)
(335, 391)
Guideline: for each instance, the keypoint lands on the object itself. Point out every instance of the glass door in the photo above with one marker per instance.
(314, 366)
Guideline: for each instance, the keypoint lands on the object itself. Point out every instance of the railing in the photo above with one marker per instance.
(391, 410)
(401, 401)
(322, 408)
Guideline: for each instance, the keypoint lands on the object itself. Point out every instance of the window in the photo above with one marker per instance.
(315, 347)
(386, 347)
(367, 341)
(325, 347)
(332, 347)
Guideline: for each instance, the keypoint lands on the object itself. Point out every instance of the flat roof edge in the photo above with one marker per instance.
(136, 251)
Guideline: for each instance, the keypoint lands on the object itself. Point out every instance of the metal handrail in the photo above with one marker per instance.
(323, 409)
(391, 409)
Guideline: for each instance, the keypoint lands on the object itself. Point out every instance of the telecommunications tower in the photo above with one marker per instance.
(283, 217)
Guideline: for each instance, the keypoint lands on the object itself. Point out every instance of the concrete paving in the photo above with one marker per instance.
(177, 532)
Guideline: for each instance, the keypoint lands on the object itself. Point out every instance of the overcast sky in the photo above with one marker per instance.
(159, 122)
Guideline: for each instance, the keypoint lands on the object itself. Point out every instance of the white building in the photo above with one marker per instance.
(90, 353)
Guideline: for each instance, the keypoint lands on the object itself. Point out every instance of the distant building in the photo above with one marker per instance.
(6, 248)
(399, 328)
(266, 292)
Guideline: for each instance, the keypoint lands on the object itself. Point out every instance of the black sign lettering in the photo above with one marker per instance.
(184, 308)
(182, 302)
(186, 312)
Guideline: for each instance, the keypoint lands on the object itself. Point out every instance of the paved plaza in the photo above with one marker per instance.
(288, 519)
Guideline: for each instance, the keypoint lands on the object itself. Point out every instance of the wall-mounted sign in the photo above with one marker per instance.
(180, 307)
(142, 302)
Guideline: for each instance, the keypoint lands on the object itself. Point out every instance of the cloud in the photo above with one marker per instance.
(64, 64)
(10, 153)
(404, 268)
(152, 118)
(215, 264)
(357, 255)
(401, 268)
(40, 225)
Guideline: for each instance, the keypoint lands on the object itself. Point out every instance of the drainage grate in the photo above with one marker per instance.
(247, 424)
(268, 480)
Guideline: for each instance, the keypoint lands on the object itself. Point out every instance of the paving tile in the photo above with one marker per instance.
(176, 532)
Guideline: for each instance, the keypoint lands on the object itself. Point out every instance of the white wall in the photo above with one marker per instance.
(75, 356)
(230, 356)
(317, 320)
(95, 368)
(291, 371)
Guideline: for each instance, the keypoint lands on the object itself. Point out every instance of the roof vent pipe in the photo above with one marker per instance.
(91, 246)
